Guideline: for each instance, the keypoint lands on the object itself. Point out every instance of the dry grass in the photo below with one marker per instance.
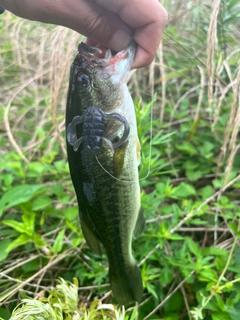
(39, 66)
(40, 70)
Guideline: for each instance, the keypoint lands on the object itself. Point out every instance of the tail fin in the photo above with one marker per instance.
(127, 284)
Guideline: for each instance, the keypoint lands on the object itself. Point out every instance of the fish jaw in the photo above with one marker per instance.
(116, 66)
(120, 64)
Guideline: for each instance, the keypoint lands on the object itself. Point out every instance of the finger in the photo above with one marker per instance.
(147, 17)
(85, 17)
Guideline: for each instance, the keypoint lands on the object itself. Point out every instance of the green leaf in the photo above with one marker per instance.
(18, 226)
(26, 227)
(29, 221)
(206, 148)
(17, 195)
(8, 179)
(193, 247)
(219, 263)
(224, 200)
(217, 183)
(57, 246)
(233, 226)
(41, 202)
(133, 315)
(70, 213)
(3, 246)
(187, 147)
(208, 275)
(75, 227)
(166, 276)
(233, 314)
(206, 192)
(222, 316)
(184, 190)
(173, 303)
(191, 164)
(58, 189)
(60, 165)
(215, 251)
(36, 167)
(150, 288)
(76, 242)
(4, 314)
(220, 302)
(38, 240)
(21, 240)
(193, 175)
(172, 316)
(31, 266)
(175, 237)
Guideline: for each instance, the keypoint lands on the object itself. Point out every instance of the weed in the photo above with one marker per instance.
(187, 106)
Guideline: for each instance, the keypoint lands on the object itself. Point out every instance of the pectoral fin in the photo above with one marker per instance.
(140, 224)
(93, 242)
(118, 159)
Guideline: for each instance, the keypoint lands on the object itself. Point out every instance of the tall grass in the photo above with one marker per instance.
(189, 252)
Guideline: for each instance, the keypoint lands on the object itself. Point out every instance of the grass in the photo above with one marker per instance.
(189, 252)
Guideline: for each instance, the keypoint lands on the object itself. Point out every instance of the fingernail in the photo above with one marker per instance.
(120, 40)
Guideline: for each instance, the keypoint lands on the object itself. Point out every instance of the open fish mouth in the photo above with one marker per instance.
(115, 65)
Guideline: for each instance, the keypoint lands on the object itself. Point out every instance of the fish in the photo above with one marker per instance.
(104, 154)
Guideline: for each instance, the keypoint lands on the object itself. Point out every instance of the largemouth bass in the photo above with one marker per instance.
(104, 154)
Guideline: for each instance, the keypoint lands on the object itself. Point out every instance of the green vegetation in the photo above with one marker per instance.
(190, 175)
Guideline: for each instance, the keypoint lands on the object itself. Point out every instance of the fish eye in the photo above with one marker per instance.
(83, 80)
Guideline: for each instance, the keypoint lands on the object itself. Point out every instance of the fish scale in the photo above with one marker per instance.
(106, 182)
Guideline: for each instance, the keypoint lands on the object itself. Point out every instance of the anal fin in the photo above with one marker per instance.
(93, 242)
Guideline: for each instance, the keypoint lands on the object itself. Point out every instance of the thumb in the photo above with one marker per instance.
(102, 26)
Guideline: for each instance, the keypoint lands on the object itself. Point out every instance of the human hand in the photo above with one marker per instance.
(105, 23)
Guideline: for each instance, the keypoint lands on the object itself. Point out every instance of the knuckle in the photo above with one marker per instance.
(98, 28)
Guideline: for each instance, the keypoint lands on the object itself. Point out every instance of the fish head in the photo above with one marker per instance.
(98, 84)
(96, 81)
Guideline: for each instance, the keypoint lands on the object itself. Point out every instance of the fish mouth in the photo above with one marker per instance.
(112, 64)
